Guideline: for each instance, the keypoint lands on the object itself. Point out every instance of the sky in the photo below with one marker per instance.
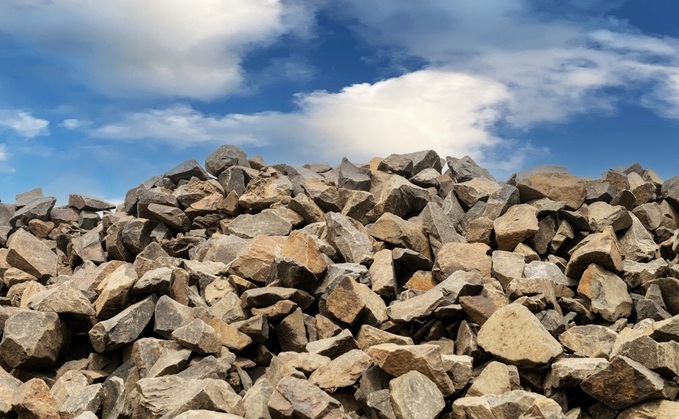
(99, 96)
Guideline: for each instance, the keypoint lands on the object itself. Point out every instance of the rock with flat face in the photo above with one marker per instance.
(518, 224)
(413, 395)
(464, 169)
(300, 263)
(37, 209)
(33, 400)
(31, 255)
(623, 383)
(224, 157)
(262, 192)
(637, 243)
(399, 197)
(426, 359)
(342, 371)
(495, 378)
(115, 291)
(602, 215)
(88, 203)
(353, 177)
(265, 223)
(172, 217)
(198, 336)
(62, 299)
(600, 248)
(513, 404)
(467, 257)
(474, 190)
(294, 397)
(349, 238)
(570, 372)
(652, 410)
(515, 335)
(556, 186)
(32, 339)
(124, 327)
(607, 293)
(353, 303)
(591, 340)
(398, 232)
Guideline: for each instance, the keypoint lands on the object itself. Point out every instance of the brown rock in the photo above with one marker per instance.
(600, 248)
(518, 224)
(28, 253)
(352, 303)
(462, 257)
(562, 187)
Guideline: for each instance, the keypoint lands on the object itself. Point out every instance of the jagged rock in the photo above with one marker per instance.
(87, 400)
(256, 399)
(625, 382)
(198, 336)
(262, 297)
(300, 263)
(32, 339)
(606, 292)
(370, 336)
(353, 177)
(474, 190)
(294, 397)
(455, 257)
(518, 224)
(88, 203)
(115, 291)
(352, 303)
(515, 335)
(62, 299)
(342, 371)
(334, 346)
(590, 340)
(264, 191)
(517, 403)
(36, 209)
(33, 400)
(495, 378)
(637, 273)
(224, 157)
(349, 238)
(265, 223)
(31, 255)
(124, 327)
(637, 243)
(396, 231)
(447, 292)
(600, 248)
(399, 197)
(173, 217)
(651, 410)
(464, 169)
(557, 186)
(255, 261)
(571, 372)
(602, 215)
(383, 275)
(413, 395)
(400, 359)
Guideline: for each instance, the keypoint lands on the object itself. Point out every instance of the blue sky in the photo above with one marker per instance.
(98, 96)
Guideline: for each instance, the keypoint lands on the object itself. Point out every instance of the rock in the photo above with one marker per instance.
(291, 332)
(401, 233)
(518, 224)
(440, 227)
(556, 186)
(353, 303)
(637, 243)
(514, 335)
(124, 327)
(478, 189)
(602, 215)
(342, 371)
(353, 177)
(370, 336)
(255, 261)
(495, 378)
(88, 203)
(37, 209)
(32, 339)
(158, 281)
(589, 340)
(294, 397)
(600, 248)
(172, 217)
(334, 346)
(256, 399)
(170, 315)
(464, 169)
(517, 403)
(88, 400)
(266, 296)
(33, 400)
(265, 223)
(349, 238)
(262, 192)
(383, 275)
(300, 263)
(115, 291)
(401, 359)
(447, 292)
(399, 197)
(507, 266)
(413, 395)
(62, 299)
(623, 383)
(467, 257)
(607, 293)
(651, 410)
(31, 255)
(224, 157)
(198, 336)
(571, 372)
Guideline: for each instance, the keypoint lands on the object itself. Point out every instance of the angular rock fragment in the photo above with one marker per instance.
(462, 257)
(31, 255)
(124, 327)
(518, 224)
(294, 397)
(606, 292)
(342, 371)
(413, 395)
(515, 335)
(32, 339)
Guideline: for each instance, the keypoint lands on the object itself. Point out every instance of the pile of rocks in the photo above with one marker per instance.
(389, 290)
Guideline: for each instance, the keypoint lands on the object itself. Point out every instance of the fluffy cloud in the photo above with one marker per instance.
(171, 48)
(23, 123)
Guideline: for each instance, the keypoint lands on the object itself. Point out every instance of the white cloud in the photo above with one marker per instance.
(23, 123)
(169, 48)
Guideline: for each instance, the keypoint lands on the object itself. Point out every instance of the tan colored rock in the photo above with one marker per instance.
(33, 400)
(455, 257)
(31, 255)
(495, 378)
(518, 224)
(353, 303)
(414, 395)
(383, 274)
(570, 372)
(607, 293)
(602, 215)
(513, 404)
(562, 187)
(398, 232)
(263, 192)
(589, 340)
(300, 263)
(659, 409)
(370, 336)
(474, 190)
(256, 261)
(350, 238)
(400, 359)
(600, 248)
(294, 397)
(115, 291)
(342, 371)
(515, 335)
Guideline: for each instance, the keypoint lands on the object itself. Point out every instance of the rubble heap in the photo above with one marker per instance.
(390, 290)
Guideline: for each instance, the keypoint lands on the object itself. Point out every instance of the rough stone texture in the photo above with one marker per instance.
(516, 336)
(455, 257)
(31, 255)
(294, 397)
(518, 224)
(413, 395)
(606, 292)
(556, 186)
(122, 328)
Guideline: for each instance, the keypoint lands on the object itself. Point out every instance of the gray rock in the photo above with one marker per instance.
(31, 255)
(398, 164)
(124, 327)
(464, 169)
(353, 177)
(294, 397)
(32, 339)
(37, 209)
(224, 157)
(173, 217)
(198, 336)
(349, 238)
(413, 395)
(342, 371)
(62, 299)
(265, 223)
(589, 340)
(399, 197)
(517, 403)
(256, 399)
(88, 203)
(87, 400)
(186, 171)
